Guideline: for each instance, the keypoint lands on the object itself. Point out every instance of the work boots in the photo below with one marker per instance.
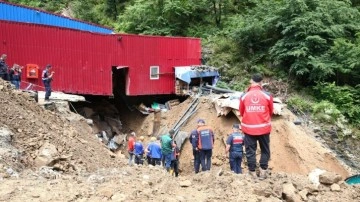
(262, 174)
(252, 174)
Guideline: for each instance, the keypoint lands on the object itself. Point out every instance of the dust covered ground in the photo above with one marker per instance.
(48, 157)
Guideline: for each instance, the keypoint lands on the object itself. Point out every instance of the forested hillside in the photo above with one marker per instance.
(312, 46)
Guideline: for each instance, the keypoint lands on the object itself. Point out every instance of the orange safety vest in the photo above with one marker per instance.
(205, 137)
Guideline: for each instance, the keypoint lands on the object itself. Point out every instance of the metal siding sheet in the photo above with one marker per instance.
(18, 13)
(83, 61)
(166, 52)
(79, 68)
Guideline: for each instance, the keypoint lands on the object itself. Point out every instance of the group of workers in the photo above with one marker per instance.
(14, 75)
(10, 74)
(159, 151)
(256, 108)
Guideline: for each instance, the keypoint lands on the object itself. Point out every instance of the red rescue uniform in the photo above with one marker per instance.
(256, 108)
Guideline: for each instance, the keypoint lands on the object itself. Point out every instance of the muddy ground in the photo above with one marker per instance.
(47, 156)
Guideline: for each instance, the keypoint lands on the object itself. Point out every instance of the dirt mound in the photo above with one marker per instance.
(44, 138)
(293, 147)
(147, 183)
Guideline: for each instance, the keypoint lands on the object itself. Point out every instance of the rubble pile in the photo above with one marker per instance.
(66, 157)
(148, 183)
(45, 138)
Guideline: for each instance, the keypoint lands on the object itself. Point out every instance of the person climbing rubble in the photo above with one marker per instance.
(234, 149)
(256, 108)
(166, 148)
(47, 78)
(147, 151)
(139, 151)
(175, 160)
(205, 144)
(15, 75)
(4, 68)
(193, 138)
(130, 148)
(154, 152)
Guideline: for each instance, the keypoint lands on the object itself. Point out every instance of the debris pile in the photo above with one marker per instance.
(45, 138)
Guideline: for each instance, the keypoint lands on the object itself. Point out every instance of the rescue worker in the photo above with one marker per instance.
(47, 78)
(166, 148)
(139, 150)
(256, 108)
(205, 144)
(193, 138)
(15, 75)
(175, 159)
(147, 151)
(154, 151)
(130, 148)
(4, 68)
(234, 148)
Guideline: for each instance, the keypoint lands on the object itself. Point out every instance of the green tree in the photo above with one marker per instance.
(297, 35)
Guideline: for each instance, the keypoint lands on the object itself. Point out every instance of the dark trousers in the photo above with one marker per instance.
(47, 89)
(148, 159)
(5, 76)
(235, 161)
(167, 161)
(197, 160)
(205, 158)
(155, 161)
(139, 159)
(163, 160)
(16, 83)
(175, 167)
(250, 142)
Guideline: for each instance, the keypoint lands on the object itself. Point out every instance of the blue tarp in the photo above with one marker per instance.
(186, 73)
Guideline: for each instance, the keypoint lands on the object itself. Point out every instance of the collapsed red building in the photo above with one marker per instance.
(93, 63)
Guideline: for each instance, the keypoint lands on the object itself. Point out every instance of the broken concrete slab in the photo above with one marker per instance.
(61, 96)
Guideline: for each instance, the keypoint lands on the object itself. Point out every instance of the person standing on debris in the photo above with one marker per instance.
(139, 150)
(147, 151)
(47, 78)
(175, 159)
(256, 108)
(234, 148)
(131, 143)
(4, 68)
(205, 144)
(154, 151)
(193, 138)
(166, 148)
(15, 75)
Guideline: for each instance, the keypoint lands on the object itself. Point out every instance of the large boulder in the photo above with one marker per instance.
(329, 178)
(46, 154)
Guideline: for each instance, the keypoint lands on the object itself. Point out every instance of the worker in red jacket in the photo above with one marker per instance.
(131, 147)
(256, 108)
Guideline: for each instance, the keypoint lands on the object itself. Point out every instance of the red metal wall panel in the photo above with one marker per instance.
(141, 52)
(83, 61)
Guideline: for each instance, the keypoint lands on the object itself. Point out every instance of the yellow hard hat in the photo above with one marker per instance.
(141, 138)
(153, 139)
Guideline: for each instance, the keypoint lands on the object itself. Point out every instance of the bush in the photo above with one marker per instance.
(326, 111)
(345, 98)
(299, 105)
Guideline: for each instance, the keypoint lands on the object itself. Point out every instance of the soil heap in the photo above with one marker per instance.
(40, 139)
(294, 149)
(45, 138)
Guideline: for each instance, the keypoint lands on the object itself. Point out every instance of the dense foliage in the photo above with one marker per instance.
(310, 43)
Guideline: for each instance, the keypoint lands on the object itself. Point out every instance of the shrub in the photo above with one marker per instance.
(326, 111)
(299, 105)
